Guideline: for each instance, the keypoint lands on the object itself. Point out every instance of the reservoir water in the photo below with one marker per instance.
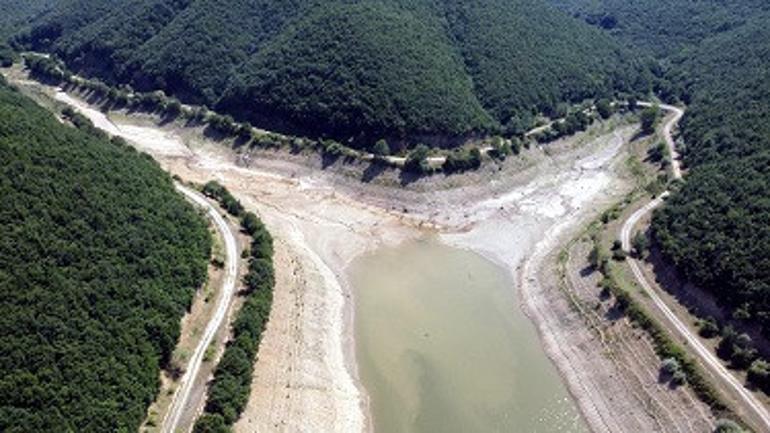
(442, 346)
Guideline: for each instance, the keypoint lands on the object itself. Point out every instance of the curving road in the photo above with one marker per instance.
(708, 359)
(182, 394)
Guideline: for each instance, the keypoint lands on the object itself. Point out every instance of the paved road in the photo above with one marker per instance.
(179, 402)
(753, 406)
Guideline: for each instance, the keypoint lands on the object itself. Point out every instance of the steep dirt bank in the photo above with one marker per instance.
(304, 379)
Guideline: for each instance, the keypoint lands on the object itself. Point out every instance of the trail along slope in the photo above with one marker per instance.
(706, 356)
(179, 402)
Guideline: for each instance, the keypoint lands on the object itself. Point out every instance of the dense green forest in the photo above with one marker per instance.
(715, 56)
(662, 27)
(15, 14)
(386, 68)
(99, 260)
(718, 226)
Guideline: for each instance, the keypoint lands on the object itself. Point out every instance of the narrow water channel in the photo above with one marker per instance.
(442, 346)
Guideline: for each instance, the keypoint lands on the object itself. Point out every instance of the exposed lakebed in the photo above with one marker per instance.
(442, 346)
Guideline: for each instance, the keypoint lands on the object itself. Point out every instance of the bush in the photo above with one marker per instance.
(759, 374)
(670, 366)
(223, 124)
(417, 160)
(728, 426)
(604, 108)
(462, 160)
(214, 190)
(251, 224)
(679, 378)
(657, 152)
(211, 423)
(45, 68)
(381, 148)
(708, 328)
(640, 244)
(502, 148)
(7, 56)
(649, 118)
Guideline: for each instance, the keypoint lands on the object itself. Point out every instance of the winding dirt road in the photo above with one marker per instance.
(179, 402)
(753, 406)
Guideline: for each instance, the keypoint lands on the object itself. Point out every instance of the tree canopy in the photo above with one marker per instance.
(99, 260)
(390, 68)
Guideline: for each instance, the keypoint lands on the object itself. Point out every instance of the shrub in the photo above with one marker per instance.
(251, 224)
(708, 328)
(640, 244)
(417, 160)
(381, 148)
(759, 374)
(462, 160)
(214, 190)
(679, 378)
(211, 423)
(670, 366)
(604, 108)
(649, 118)
(223, 124)
(728, 426)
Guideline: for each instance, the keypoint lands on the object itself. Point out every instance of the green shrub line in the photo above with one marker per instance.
(229, 390)
(50, 70)
(665, 347)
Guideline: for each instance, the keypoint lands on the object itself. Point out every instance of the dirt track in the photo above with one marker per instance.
(179, 402)
(750, 406)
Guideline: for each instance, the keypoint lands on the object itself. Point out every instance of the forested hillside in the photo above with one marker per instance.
(663, 27)
(718, 227)
(15, 14)
(345, 68)
(714, 56)
(99, 259)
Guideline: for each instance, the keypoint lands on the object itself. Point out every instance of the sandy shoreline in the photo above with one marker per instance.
(306, 378)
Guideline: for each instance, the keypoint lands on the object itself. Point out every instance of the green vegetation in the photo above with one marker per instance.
(99, 260)
(650, 118)
(219, 193)
(716, 231)
(714, 56)
(463, 160)
(665, 347)
(361, 70)
(728, 426)
(229, 391)
(659, 27)
(16, 13)
(417, 160)
(681, 367)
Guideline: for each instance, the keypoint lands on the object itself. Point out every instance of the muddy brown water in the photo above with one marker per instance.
(443, 346)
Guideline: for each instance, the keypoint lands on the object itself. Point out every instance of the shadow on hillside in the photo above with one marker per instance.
(407, 177)
(328, 159)
(374, 169)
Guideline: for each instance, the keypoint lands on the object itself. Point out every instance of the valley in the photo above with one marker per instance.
(385, 216)
(306, 376)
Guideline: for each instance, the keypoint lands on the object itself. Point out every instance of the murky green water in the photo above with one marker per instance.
(443, 347)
